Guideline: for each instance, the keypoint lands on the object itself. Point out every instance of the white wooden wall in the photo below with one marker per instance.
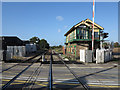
(85, 55)
(103, 55)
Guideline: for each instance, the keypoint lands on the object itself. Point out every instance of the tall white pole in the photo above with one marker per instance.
(93, 31)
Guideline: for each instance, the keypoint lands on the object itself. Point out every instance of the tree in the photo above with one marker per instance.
(53, 47)
(43, 44)
(35, 40)
(105, 45)
(116, 44)
(60, 46)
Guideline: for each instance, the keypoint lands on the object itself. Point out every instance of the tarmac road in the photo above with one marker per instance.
(93, 75)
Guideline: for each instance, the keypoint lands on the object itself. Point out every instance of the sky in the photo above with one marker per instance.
(51, 20)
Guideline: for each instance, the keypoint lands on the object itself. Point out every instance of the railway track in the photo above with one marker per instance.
(85, 86)
(33, 78)
(31, 81)
(25, 61)
(27, 64)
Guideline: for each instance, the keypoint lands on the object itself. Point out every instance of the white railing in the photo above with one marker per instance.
(103, 55)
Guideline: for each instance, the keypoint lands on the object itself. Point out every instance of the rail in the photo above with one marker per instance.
(8, 84)
(36, 72)
(74, 74)
(14, 78)
(50, 78)
(20, 63)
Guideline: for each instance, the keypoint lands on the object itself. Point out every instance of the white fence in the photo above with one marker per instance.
(85, 56)
(19, 51)
(103, 55)
(9, 55)
(1, 54)
(15, 51)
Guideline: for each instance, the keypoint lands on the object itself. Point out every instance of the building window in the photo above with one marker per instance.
(82, 33)
(73, 50)
(96, 34)
(90, 35)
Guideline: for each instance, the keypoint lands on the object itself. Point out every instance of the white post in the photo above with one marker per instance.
(43, 58)
(93, 33)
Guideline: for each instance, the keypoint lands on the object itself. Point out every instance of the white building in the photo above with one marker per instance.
(30, 48)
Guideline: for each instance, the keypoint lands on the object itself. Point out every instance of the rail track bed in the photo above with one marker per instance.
(49, 73)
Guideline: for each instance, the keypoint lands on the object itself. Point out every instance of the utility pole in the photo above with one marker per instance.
(93, 32)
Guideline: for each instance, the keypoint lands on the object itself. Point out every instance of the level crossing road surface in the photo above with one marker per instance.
(36, 75)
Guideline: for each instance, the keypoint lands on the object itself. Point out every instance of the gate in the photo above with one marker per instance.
(85, 55)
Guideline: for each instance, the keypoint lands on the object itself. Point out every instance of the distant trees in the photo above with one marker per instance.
(106, 45)
(116, 44)
(53, 47)
(41, 44)
(35, 40)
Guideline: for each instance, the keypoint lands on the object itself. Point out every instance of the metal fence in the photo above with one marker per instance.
(15, 51)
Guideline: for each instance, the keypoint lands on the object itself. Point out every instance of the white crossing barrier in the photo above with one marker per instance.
(85, 55)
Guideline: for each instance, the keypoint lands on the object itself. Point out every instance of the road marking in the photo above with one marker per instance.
(19, 81)
(45, 84)
(23, 75)
(110, 86)
(98, 74)
(72, 81)
(107, 81)
(42, 85)
(9, 72)
(68, 79)
(2, 84)
(16, 83)
(5, 79)
(93, 75)
(22, 82)
(65, 83)
(83, 67)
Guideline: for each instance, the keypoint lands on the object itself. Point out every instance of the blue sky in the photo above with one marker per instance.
(52, 20)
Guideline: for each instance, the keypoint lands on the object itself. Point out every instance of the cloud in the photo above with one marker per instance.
(59, 30)
(65, 27)
(59, 18)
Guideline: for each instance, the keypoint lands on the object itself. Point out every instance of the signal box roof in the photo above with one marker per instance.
(86, 22)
